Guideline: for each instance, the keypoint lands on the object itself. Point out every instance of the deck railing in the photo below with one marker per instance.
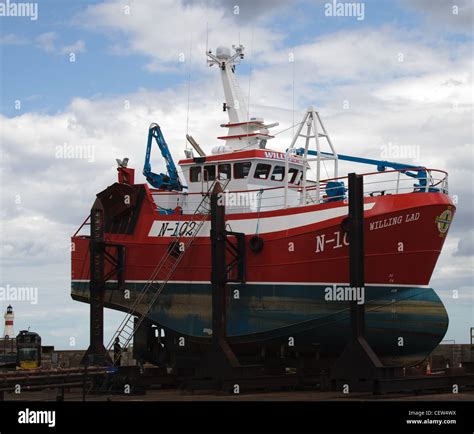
(258, 200)
(388, 182)
(385, 183)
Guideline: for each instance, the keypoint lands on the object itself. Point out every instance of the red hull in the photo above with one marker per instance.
(402, 233)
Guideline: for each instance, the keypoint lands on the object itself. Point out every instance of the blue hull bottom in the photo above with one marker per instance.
(404, 324)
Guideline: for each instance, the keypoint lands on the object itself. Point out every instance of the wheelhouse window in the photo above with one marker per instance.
(241, 170)
(278, 173)
(195, 174)
(209, 173)
(293, 173)
(224, 171)
(300, 178)
(262, 171)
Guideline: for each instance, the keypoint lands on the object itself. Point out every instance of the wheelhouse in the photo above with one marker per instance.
(241, 170)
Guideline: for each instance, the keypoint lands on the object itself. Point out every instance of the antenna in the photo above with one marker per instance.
(189, 85)
(207, 37)
(293, 90)
(250, 78)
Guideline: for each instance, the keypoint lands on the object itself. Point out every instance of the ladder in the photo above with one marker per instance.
(160, 277)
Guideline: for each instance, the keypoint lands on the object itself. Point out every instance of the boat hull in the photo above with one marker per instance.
(403, 324)
(286, 290)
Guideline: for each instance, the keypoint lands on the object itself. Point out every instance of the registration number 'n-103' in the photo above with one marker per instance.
(173, 229)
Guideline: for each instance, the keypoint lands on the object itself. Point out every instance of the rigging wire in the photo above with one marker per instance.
(325, 169)
(289, 128)
(293, 90)
(275, 134)
(189, 86)
(250, 79)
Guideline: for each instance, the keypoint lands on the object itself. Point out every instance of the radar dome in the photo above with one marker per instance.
(222, 52)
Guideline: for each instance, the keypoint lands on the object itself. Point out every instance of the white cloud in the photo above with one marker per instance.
(370, 54)
(12, 39)
(466, 246)
(454, 15)
(77, 47)
(46, 41)
(439, 87)
(164, 35)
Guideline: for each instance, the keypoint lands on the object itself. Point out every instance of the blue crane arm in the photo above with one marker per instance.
(169, 181)
(417, 171)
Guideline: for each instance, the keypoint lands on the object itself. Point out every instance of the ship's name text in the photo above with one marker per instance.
(391, 221)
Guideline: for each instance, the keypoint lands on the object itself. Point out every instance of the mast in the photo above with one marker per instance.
(314, 130)
(235, 103)
(243, 132)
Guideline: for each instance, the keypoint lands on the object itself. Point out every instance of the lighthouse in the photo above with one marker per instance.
(9, 333)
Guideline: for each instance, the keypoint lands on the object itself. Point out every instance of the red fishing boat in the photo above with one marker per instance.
(295, 281)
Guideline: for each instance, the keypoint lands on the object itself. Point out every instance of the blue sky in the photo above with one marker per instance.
(423, 101)
(47, 80)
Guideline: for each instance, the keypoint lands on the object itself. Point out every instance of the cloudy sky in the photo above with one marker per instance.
(88, 77)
